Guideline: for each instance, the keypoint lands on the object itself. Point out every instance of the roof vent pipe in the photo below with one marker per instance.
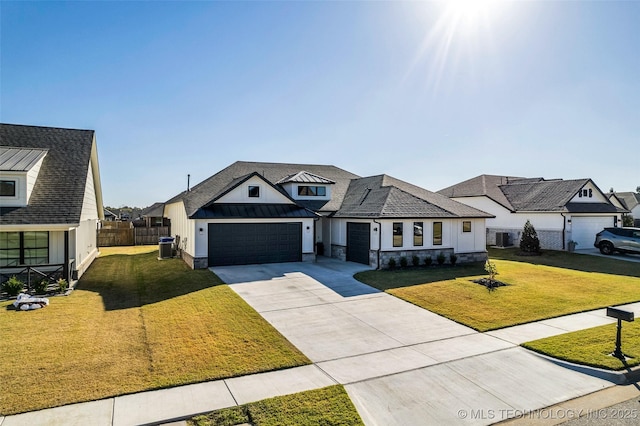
(188, 179)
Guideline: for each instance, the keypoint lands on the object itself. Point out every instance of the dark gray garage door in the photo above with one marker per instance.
(249, 243)
(358, 242)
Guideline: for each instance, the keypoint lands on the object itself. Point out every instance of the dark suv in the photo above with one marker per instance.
(624, 240)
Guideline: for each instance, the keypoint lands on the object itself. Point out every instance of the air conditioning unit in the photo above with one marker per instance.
(502, 239)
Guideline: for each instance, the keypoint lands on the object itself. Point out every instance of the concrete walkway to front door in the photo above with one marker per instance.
(401, 364)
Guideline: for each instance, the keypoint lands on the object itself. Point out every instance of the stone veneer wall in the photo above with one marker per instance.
(194, 262)
(549, 239)
(308, 257)
(340, 252)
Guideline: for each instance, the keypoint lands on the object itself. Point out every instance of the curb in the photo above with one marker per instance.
(631, 375)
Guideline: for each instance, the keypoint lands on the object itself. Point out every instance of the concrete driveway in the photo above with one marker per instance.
(627, 257)
(400, 364)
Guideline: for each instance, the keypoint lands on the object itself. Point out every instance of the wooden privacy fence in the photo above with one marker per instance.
(109, 237)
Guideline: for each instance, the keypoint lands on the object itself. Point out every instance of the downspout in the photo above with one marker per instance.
(564, 229)
(379, 242)
(315, 244)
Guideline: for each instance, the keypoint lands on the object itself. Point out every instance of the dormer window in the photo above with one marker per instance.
(312, 191)
(254, 191)
(7, 188)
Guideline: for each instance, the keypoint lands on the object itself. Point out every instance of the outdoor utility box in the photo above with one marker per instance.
(166, 248)
(502, 239)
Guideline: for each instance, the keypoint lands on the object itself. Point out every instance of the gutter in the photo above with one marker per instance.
(379, 242)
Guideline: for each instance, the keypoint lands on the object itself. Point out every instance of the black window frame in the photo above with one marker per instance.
(255, 188)
(466, 228)
(312, 191)
(27, 253)
(397, 234)
(418, 238)
(4, 184)
(437, 237)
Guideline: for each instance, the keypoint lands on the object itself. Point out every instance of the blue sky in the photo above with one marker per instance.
(418, 90)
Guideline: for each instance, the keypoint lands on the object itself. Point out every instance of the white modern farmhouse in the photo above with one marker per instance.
(253, 212)
(560, 210)
(50, 200)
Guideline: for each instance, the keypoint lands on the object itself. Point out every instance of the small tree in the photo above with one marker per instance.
(627, 220)
(529, 243)
(491, 269)
(453, 259)
(403, 262)
(440, 258)
(428, 260)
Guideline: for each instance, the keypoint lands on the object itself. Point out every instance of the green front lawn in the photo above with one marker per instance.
(134, 323)
(540, 287)
(326, 406)
(593, 346)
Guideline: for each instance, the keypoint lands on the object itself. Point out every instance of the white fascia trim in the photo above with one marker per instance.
(39, 227)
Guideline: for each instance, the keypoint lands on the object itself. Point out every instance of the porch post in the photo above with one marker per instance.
(65, 268)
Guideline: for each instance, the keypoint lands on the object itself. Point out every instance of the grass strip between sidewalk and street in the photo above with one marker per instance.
(593, 346)
(134, 323)
(326, 406)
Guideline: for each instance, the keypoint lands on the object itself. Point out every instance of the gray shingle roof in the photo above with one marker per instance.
(211, 188)
(376, 196)
(551, 196)
(154, 210)
(58, 193)
(486, 185)
(529, 194)
(387, 197)
(630, 199)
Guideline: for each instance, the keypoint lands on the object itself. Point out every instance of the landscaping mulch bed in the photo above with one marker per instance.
(490, 284)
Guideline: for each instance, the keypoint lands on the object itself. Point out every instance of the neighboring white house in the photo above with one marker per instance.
(629, 201)
(271, 212)
(560, 210)
(50, 200)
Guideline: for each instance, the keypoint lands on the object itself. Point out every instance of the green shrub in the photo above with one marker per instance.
(403, 262)
(13, 286)
(453, 259)
(428, 261)
(415, 260)
(529, 243)
(392, 263)
(41, 287)
(63, 285)
(441, 258)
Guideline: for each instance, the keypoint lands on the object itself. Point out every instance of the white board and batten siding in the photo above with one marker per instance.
(267, 194)
(181, 225)
(452, 234)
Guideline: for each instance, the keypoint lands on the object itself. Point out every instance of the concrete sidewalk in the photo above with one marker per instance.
(400, 364)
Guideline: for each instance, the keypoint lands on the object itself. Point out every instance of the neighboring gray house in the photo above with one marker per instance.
(560, 210)
(50, 199)
(254, 212)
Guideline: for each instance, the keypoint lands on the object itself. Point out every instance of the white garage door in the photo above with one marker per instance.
(584, 229)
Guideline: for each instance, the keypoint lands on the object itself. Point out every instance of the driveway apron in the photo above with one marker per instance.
(400, 364)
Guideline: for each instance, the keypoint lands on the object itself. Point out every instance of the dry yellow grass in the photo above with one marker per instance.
(127, 250)
(133, 323)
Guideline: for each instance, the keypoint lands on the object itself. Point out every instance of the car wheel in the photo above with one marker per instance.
(606, 248)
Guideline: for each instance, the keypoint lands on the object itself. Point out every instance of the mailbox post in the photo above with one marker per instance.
(620, 315)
